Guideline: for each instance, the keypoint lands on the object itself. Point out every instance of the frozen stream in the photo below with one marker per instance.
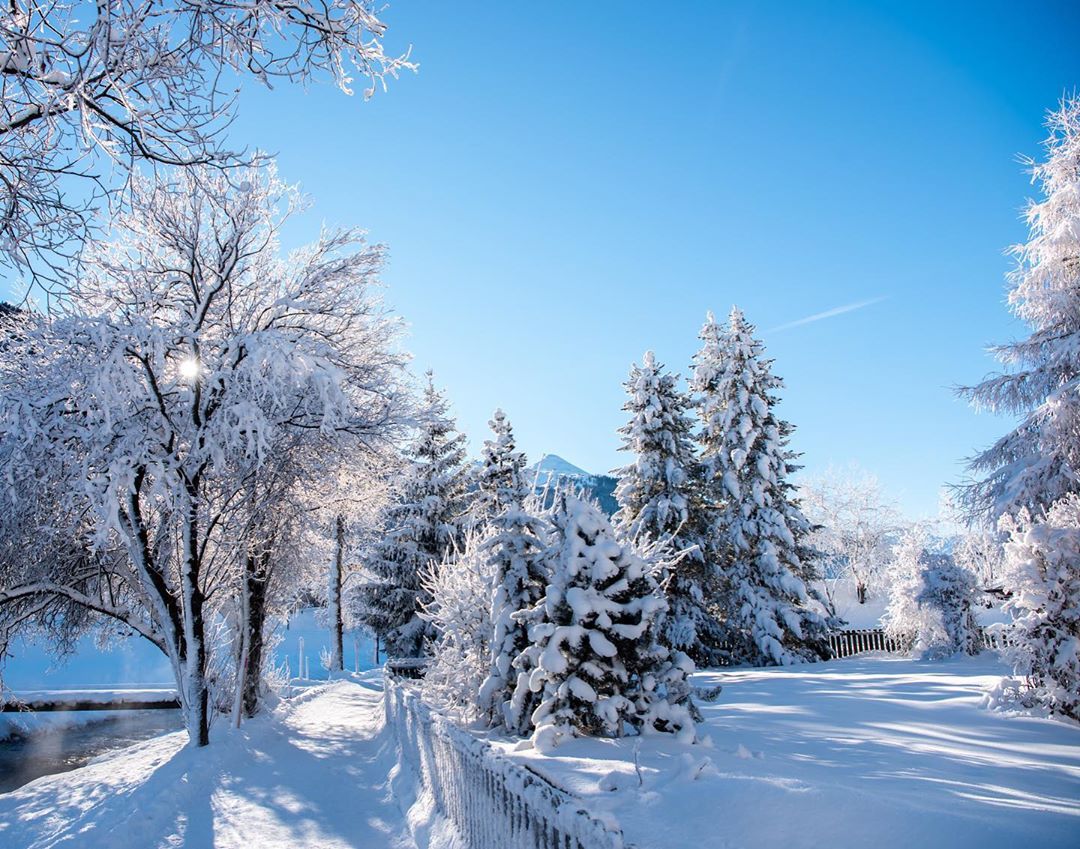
(22, 759)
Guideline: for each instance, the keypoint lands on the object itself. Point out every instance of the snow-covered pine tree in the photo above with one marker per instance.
(1038, 462)
(422, 525)
(658, 504)
(1042, 569)
(595, 660)
(500, 479)
(516, 552)
(758, 534)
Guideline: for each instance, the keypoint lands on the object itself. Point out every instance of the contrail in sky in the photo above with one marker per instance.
(818, 316)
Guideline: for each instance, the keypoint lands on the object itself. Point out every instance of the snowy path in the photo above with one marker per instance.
(316, 776)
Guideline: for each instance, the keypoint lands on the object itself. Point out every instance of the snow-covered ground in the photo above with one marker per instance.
(869, 752)
(315, 774)
(878, 752)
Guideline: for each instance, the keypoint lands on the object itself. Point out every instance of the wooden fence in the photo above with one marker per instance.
(493, 802)
(848, 643)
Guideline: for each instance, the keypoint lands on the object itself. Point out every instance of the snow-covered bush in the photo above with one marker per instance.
(459, 589)
(659, 505)
(1042, 574)
(595, 660)
(757, 534)
(932, 601)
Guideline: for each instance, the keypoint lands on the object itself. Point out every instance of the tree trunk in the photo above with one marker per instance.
(257, 580)
(197, 703)
(337, 570)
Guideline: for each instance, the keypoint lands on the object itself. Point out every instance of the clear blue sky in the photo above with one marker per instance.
(564, 185)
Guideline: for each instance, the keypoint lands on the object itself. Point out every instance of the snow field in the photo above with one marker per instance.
(868, 752)
(876, 752)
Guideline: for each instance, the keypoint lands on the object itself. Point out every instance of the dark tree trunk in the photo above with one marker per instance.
(257, 583)
(198, 704)
(337, 571)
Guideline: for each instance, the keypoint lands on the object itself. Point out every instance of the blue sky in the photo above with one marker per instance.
(565, 185)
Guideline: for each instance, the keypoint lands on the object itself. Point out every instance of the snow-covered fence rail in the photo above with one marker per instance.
(848, 643)
(493, 802)
(406, 667)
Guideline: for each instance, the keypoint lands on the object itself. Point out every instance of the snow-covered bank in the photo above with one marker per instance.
(33, 723)
(61, 746)
(314, 774)
(874, 752)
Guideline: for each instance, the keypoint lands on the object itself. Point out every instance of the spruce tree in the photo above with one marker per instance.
(422, 525)
(500, 479)
(518, 558)
(1038, 461)
(595, 660)
(658, 503)
(758, 535)
(515, 552)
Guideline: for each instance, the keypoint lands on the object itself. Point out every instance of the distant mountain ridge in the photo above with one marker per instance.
(552, 469)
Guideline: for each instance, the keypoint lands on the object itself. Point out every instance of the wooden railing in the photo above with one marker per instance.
(493, 802)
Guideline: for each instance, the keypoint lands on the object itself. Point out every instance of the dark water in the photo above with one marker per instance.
(47, 752)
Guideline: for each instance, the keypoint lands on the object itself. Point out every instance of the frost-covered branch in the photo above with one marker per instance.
(90, 89)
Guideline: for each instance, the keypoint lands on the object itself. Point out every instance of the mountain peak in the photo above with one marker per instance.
(556, 465)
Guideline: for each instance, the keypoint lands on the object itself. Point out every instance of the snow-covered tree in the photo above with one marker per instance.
(659, 505)
(459, 589)
(151, 426)
(91, 89)
(952, 592)
(517, 553)
(854, 528)
(932, 600)
(1038, 462)
(902, 614)
(500, 480)
(758, 534)
(423, 524)
(595, 659)
(1042, 573)
(983, 553)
